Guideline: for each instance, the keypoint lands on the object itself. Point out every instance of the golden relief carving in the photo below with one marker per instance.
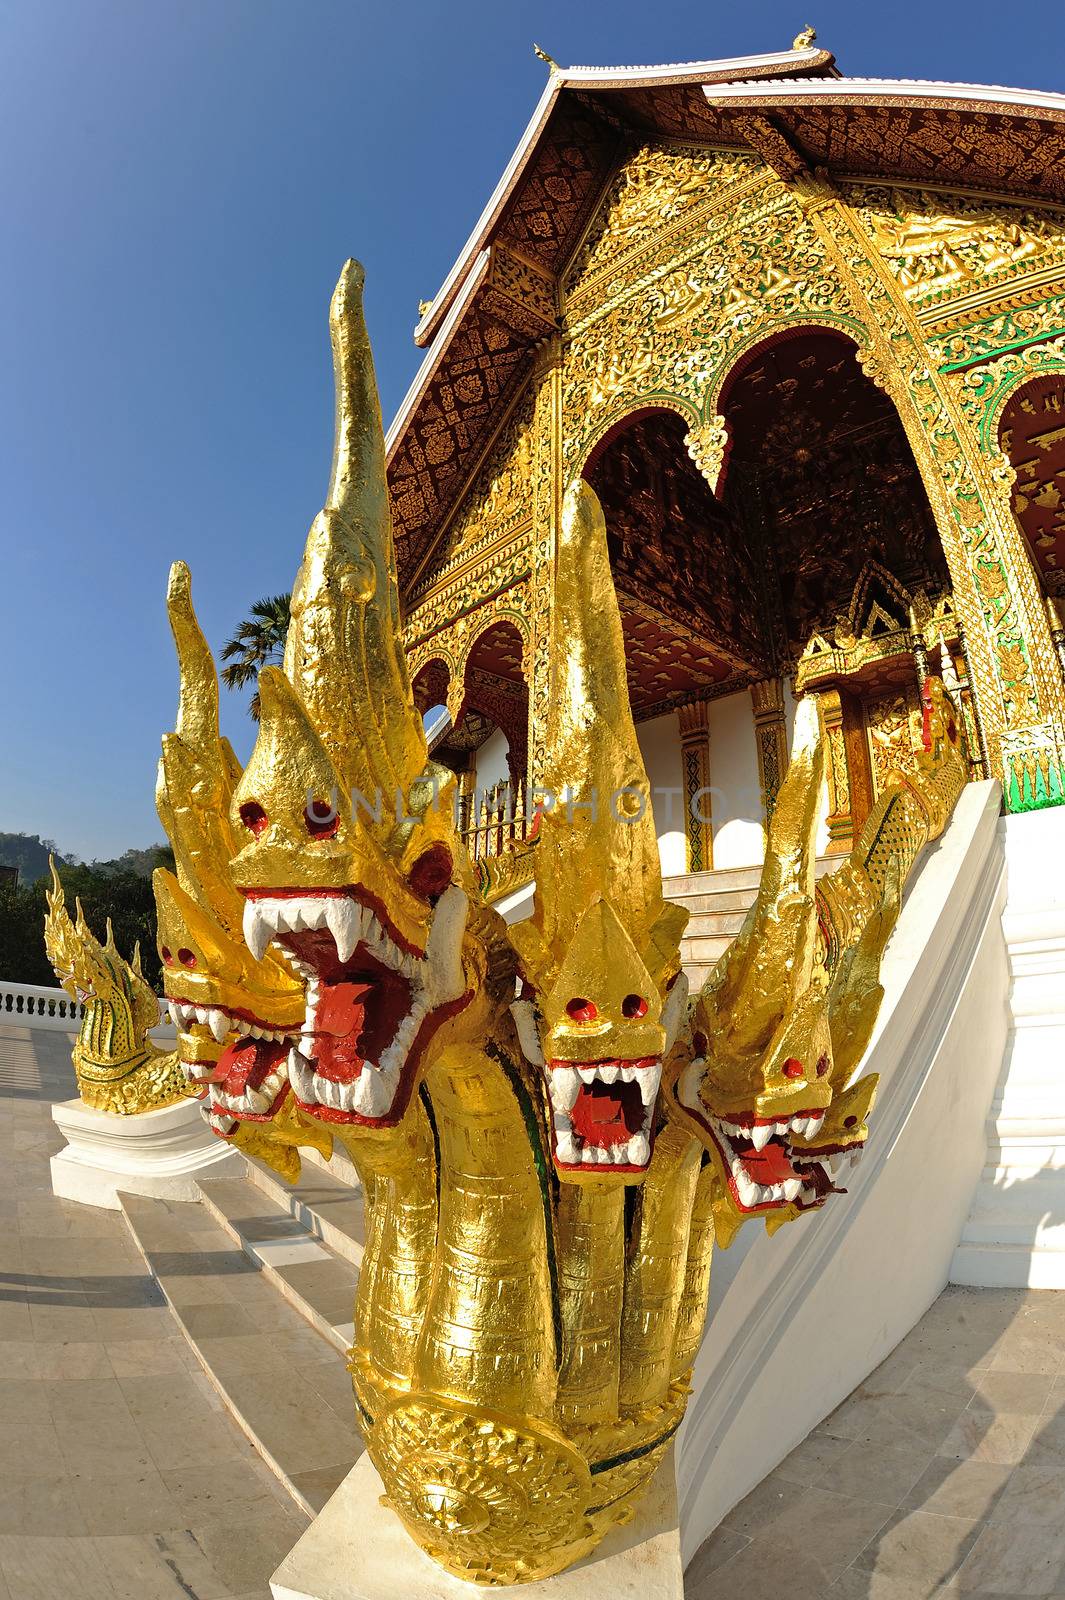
(936, 252)
(655, 189)
(497, 501)
(893, 720)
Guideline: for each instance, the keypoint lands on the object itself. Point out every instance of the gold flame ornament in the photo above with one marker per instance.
(118, 1067)
(545, 1137)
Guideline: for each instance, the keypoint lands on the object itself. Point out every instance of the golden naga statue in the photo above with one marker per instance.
(118, 1068)
(549, 1139)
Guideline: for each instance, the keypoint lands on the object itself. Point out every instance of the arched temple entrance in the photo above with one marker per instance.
(486, 745)
(1032, 435)
(817, 567)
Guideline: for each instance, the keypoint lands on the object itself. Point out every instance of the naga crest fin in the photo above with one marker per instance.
(604, 843)
(344, 653)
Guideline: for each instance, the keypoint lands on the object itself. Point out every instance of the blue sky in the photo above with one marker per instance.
(179, 186)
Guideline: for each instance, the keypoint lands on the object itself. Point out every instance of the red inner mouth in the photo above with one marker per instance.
(361, 1004)
(605, 1114)
(767, 1166)
(245, 1063)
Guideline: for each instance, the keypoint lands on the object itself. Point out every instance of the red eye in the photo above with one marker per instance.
(322, 818)
(167, 957)
(253, 817)
(186, 957)
(850, 1122)
(822, 1066)
(582, 1010)
(793, 1068)
(431, 873)
(634, 1005)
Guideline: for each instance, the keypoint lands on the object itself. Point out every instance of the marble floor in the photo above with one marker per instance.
(121, 1476)
(943, 1474)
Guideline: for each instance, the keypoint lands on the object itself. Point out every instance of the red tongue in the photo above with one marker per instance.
(247, 1061)
(341, 1009)
(338, 1025)
(768, 1166)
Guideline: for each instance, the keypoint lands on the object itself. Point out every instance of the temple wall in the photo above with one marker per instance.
(490, 763)
(696, 258)
(739, 839)
(660, 748)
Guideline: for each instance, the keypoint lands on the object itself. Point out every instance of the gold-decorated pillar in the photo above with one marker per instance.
(695, 771)
(771, 739)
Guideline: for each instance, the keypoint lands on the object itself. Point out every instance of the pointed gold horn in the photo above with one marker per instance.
(605, 841)
(344, 653)
(197, 717)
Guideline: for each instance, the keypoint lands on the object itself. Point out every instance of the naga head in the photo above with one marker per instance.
(347, 855)
(235, 1015)
(120, 1007)
(603, 993)
(776, 1035)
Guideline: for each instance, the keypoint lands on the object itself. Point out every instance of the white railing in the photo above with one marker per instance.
(33, 1006)
(37, 1007)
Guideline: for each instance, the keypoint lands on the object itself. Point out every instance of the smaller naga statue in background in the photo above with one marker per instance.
(118, 1067)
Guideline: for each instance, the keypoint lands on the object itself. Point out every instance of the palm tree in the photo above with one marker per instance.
(258, 642)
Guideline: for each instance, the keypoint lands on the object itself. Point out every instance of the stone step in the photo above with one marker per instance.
(1007, 1266)
(327, 1205)
(725, 878)
(714, 922)
(312, 1277)
(719, 900)
(285, 1385)
(704, 951)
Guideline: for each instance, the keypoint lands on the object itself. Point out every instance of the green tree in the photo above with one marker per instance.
(258, 642)
(123, 896)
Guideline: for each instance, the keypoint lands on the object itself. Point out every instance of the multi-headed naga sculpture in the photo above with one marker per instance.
(118, 1067)
(550, 1140)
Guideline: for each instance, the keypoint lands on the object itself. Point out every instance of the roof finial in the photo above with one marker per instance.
(424, 307)
(552, 63)
(805, 39)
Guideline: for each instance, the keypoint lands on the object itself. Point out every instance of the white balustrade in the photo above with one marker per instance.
(33, 1005)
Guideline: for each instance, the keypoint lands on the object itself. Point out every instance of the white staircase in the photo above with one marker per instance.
(1015, 1235)
(717, 902)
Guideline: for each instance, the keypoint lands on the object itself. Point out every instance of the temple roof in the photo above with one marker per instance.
(497, 303)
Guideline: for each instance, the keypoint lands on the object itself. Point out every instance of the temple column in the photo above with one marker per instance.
(695, 768)
(771, 740)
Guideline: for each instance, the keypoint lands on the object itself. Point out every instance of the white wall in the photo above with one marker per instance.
(491, 761)
(798, 1320)
(737, 797)
(659, 742)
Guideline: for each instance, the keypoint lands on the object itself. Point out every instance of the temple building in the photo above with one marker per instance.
(805, 336)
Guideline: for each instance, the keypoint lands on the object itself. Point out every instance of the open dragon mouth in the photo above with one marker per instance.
(602, 1113)
(764, 1163)
(249, 1081)
(373, 1000)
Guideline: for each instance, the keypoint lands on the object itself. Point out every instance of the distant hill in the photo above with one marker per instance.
(29, 853)
(142, 862)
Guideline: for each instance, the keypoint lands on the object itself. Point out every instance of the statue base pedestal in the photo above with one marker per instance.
(356, 1549)
(158, 1153)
